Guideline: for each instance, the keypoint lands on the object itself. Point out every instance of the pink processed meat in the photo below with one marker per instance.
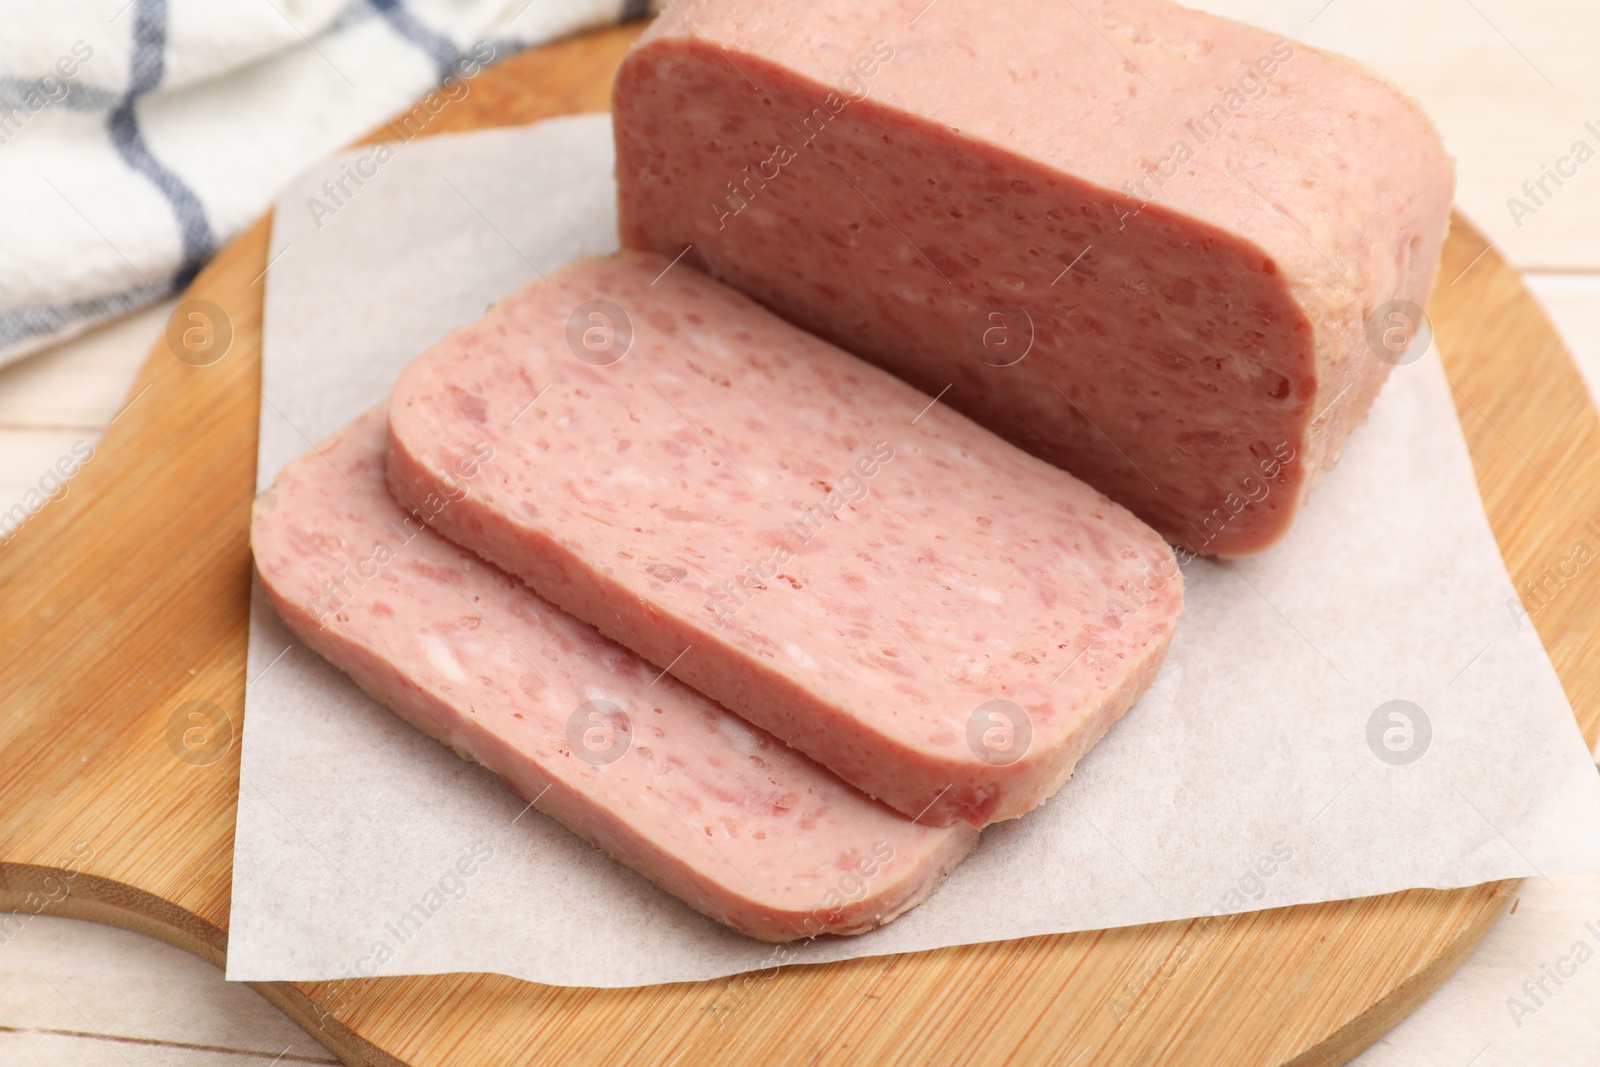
(944, 621)
(1170, 253)
(711, 809)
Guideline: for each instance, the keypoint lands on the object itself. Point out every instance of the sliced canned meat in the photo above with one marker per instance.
(713, 810)
(943, 620)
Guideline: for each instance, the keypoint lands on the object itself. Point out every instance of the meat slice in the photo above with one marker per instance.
(711, 809)
(1170, 253)
(941, 619)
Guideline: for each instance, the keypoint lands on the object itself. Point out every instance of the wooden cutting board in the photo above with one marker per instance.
(124, 617)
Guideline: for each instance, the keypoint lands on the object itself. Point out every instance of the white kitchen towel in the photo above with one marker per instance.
(138, 136)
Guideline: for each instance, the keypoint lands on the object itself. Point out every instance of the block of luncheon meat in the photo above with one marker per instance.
(716, 812)
(1173, 254)
(943, 620)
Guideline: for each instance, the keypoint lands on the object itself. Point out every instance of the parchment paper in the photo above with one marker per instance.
(1263, 768)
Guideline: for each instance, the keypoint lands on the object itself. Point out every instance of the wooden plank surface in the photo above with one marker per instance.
(127, 598)
(62, 1008)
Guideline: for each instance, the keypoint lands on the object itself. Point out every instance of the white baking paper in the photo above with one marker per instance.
(1249, 777)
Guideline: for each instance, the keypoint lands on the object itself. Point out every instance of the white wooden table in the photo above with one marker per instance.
(1511, 85)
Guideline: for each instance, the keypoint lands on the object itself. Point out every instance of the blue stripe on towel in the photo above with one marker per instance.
(23, 92)
(149, 59)
(441, 49)
(46, 320)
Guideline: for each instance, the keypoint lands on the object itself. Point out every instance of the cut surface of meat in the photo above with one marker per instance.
(1170, 253)
(713, 810)
(941, 619)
